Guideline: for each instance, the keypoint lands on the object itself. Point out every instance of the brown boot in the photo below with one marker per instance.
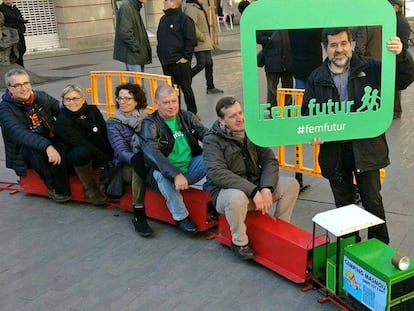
(90, 190)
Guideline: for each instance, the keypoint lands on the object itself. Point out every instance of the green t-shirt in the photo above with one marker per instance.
(180, 156)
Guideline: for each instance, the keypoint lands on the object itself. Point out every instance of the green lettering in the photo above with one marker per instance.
(264, 111)
(277, 112)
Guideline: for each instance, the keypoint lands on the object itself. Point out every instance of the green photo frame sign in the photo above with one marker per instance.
(274, 129)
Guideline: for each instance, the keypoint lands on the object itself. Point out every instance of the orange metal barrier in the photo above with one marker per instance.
(295, 97)
(103, 85)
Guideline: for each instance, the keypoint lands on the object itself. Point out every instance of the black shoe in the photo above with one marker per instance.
(243, 252)
(59, 198)
(214, 90)
(142, 227)
(187, 226)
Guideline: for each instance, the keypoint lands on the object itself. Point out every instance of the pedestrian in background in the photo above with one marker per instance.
(368, 41)
(227, 9)
(176, 39)
(131, 45)
(277, 61)
(202, 51)
(14, 19)
(305, 45)
(403, 32)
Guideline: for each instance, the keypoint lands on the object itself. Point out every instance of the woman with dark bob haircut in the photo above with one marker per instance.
(123, 129)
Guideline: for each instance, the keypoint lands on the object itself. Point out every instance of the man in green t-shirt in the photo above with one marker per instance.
(171, 147)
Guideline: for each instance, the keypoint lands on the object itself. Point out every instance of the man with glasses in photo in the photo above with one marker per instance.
(27, 118)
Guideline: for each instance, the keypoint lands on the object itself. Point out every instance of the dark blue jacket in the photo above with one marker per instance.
(276, 50)
(14, 122)
(176, 37)
(120, 136)
(305, 45)
(369, 153)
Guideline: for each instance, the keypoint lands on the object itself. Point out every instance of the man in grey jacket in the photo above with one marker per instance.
(243, 176)
(131, 45)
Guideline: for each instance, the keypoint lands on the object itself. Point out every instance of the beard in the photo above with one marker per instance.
(341, 63)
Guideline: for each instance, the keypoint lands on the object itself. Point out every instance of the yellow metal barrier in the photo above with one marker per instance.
(295, 97)
(103, 85)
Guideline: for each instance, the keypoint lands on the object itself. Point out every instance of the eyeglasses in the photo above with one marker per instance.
(21, 85)
(124, 99)
(70, 99)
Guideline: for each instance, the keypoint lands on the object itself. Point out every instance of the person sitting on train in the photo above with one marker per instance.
(123, 129)
(242, 176)
(27, 120)
(172, 150)
(81, 132)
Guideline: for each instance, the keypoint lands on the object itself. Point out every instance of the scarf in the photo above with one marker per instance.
(237, 135)
(133, 119)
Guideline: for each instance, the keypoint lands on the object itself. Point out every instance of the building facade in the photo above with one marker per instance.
(85, 24)
(77, 24)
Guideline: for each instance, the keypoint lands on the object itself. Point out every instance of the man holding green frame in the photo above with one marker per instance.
(345, 77)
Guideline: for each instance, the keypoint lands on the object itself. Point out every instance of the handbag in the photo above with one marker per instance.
(110, 180)
(260, 59)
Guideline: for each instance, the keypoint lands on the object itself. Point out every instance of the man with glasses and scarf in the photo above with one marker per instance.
(27, 119)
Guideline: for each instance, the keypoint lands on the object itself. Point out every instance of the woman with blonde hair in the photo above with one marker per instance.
(81, 130)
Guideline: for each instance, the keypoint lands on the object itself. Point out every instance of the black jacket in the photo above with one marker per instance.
(276, 50)
(403, 29)
(13, 18)
(369, 153)
(85, 127)
(14, 122)
(176, 37)
(158, 141)
(305, 45)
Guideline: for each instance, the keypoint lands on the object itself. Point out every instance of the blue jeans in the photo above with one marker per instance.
(136, 68)
(174, 199)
